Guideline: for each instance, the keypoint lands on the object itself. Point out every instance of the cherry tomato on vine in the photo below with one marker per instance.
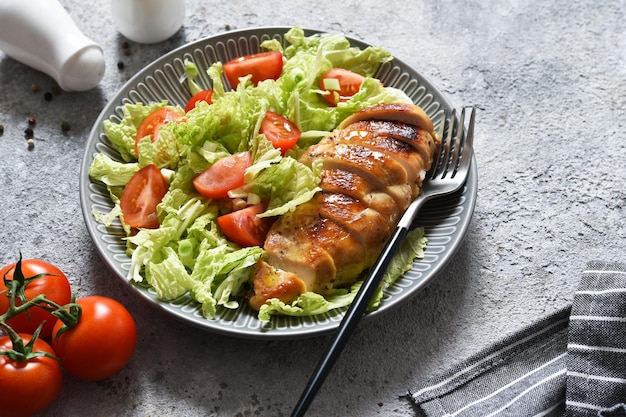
(224, 175)
(28, 386)
(140, 197)
(204, 95)
(341, 83)
(262, 66)
(51, 281)
(280, 131)
(101, 343)
(153, 122)
(244, 227)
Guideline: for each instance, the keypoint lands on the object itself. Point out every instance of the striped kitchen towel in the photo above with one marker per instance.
(572, 363)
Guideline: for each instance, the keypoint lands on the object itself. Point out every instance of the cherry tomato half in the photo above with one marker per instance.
(224, 175)
(152, 123)
(280, 131)
(28, 387)
(102, 342)
(341, 83)
(262, 66)
(140, 197)
(244, 227)
(204, 95)
(55, 286)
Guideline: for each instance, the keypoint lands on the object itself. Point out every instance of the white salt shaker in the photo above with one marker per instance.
(148, 21)
(42, 35)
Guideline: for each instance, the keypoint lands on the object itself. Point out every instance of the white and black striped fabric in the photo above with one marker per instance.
(572, 363)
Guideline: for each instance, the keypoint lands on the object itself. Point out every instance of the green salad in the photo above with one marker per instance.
(188, 254)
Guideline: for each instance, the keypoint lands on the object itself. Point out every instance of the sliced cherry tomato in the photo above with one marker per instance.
(29, 386)
(341, 83)
(262, 66)
(152, 123)
(102, 342)
(280, 131)
(224, 175)
(204, 95)
(244, 227)
(48, 280)
(140, 197)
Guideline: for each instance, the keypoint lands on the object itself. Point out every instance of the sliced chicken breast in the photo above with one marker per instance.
(373, 166)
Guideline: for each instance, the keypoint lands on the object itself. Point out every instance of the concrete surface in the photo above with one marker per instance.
(550, 81)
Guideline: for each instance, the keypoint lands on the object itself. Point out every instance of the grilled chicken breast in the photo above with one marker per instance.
(373, 166)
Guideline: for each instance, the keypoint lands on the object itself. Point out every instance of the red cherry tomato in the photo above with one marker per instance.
(204, 95)
(102, 342)
(152, 123)
(140, 197)
(244, 227)
(28, 387)
(262, 66)
(341, 83)
(280, 131)
(224, 175)
(55, 286)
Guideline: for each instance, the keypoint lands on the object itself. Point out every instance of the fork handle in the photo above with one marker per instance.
(350, 321)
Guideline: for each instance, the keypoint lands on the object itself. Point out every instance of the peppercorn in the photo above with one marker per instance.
(34, 87)
(47, 96)
(32, 121)
(1, 129)
(31, 143)
(120, 65)
(56, 90)
(65, 125)
(29, 132)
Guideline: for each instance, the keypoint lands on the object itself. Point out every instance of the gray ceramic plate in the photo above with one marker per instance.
(445, 220)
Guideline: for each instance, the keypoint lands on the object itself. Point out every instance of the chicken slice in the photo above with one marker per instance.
(368, 226)
(353, 185)
(407, 113)
(319, 250)
(374, 166)
(419, 139)
(400, 151)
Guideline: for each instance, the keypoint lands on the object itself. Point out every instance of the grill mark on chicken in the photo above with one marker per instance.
(372, 168)
(400, 151)
(364, 223)
(419, 139)
(353, 185)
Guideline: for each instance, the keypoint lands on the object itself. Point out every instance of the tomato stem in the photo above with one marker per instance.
(21, 352)
(69, 314)
(17, 285)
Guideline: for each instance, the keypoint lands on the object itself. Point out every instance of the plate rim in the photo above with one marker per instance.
(469, 193)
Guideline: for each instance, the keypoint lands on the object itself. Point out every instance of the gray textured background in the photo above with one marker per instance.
(549, 79)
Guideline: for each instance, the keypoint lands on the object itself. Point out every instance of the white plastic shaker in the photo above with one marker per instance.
(42, 35)
(148, 21)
